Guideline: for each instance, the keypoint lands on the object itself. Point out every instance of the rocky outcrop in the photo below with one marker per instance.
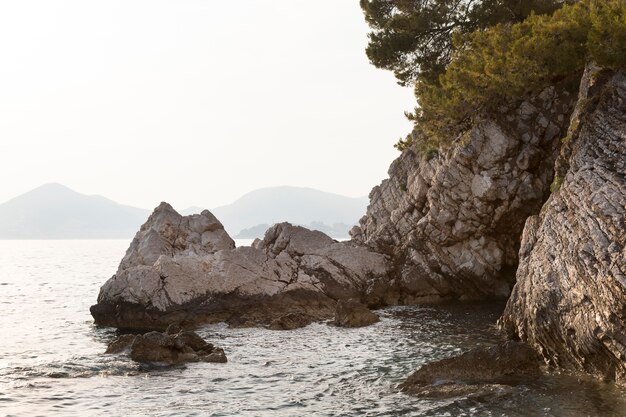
(475, 372)
(451, 221)
(186, 270)
(569, 302)
(351, 313)
(291, 321)
(171, 347)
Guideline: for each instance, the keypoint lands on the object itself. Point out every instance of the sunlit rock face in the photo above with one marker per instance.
(569, 302)
(187, 269)
(451, 222)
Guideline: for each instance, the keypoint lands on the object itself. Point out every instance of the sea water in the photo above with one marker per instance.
(52, 361)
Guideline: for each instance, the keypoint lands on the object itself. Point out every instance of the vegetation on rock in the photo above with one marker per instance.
(413, 38)
(492, 68)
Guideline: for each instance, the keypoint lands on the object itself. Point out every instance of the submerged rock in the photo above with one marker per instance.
(352, 313)
(169, 347)
(186, 270)
(477, 372)
(569, 302)
(451, 220)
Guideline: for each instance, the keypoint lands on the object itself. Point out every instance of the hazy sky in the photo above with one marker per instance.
(192, 102)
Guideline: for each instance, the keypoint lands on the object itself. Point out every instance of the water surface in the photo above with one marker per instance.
(51, 360)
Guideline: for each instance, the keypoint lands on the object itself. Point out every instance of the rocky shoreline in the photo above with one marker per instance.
(185, 269)
(530, 204)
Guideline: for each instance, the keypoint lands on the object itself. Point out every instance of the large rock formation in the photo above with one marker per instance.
(570, 298)
(186, 269)
(451, 221)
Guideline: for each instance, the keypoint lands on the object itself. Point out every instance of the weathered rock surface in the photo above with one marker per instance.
(351, 313)
(291, 321)
(477, 371)
(169, 347)
(186, 270)
(569, 302)
(451, 222)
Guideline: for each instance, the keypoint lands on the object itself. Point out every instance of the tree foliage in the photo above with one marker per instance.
(413, 38)
(501, 65)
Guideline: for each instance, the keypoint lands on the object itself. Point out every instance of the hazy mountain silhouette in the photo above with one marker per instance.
(297, 205)
(54, 211)
(337, 230)
(191, 210)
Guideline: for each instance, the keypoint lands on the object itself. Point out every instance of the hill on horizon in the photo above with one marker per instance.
(298, 205)
(54, 211)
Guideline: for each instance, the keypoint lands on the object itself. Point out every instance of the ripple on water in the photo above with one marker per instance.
(51, 360)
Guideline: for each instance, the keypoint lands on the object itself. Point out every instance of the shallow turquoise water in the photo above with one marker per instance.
(51, 360)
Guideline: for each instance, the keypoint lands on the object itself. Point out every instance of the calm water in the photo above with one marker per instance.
(51, 360)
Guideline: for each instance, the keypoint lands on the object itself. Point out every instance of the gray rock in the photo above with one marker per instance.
(352, 313)
(569, 302)
(477, 371)
(170, 348)
(120, 344)
(186, 270)
(451, 222)
(291, 321)
(173, 328)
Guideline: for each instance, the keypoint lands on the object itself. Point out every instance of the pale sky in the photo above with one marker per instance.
(192, 102)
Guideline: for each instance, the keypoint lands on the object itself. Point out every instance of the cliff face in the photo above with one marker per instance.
(451, 223)
(569, 302)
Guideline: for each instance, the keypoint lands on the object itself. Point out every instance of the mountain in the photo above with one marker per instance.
(336, 231)
(191, 210)
(54, 211)
(297, 205)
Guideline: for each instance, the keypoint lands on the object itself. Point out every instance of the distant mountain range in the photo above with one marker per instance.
(54, 211)
(337, 230)
(297, 205)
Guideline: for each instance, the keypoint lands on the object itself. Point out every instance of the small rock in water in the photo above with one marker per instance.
(175, 346)
(291, 321)
(120, 344)
(480, 371)
(352, 313)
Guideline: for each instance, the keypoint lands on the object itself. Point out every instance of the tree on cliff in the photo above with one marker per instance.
(468, 58)
(413, 38)
(503, 64)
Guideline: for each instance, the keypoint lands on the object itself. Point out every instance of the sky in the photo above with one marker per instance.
(193, 102)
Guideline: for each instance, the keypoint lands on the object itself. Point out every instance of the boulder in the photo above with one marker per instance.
(121, 344)
(475, 372)
(291, 321)
(169, 347)
(351, 313)
(185, 269)
(569, 302)
(451, 220)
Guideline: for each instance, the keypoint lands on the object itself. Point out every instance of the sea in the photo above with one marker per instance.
(52, 360)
